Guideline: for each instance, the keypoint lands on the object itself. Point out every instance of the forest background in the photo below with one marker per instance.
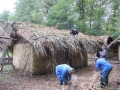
(91, 17)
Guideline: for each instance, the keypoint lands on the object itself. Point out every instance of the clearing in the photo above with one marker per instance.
(83, 79)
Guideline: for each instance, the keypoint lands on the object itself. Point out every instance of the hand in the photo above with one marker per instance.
(69, 82)
(100, 52)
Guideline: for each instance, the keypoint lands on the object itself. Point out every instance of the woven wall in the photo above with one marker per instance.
(24, 54)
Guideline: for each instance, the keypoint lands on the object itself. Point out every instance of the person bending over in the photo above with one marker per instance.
(64, 74)
(105, 67)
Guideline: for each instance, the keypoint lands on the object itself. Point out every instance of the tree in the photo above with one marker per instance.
(61, 14)
(4, 16)
(93, 17)
(28, 11)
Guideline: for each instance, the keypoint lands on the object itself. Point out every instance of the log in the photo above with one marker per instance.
(5, 37)
(10, 58)
(114, 41)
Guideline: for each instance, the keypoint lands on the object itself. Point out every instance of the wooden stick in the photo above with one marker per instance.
(113, 42)
(11, 61)
(5, 37)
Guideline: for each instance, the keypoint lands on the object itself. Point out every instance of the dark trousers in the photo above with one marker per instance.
(104, 77)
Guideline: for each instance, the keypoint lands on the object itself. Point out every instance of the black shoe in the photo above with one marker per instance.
(102, 86)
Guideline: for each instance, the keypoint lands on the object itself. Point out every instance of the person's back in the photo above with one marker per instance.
(63, 73)
(103, 64)
(105, 68)
(62, 68)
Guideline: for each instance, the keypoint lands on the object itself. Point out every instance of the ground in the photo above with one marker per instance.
(85, 78)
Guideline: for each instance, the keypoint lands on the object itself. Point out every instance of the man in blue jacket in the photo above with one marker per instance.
(64, 73)
(105, 67)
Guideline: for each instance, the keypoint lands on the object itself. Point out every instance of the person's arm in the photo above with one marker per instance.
(63, 74)
(60, 79)
(70, 77)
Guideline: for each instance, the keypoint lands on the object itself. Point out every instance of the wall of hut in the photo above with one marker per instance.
(25, 58)
(119, 51)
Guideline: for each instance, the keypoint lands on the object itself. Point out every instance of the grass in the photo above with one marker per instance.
(6, 69)
(10, 54)
(2, 77)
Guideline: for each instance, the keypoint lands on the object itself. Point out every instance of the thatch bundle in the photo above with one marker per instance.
(5, 39)
(39, 49)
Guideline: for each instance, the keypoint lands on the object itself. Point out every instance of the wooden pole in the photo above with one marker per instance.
(11, 61)
(3, 56)
(5, 51)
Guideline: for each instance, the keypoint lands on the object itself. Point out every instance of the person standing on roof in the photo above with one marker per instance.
(74, 32)
(64, 74)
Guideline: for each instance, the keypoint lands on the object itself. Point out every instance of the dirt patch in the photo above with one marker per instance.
(84, 79)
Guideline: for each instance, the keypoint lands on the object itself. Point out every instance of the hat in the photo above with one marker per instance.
(71, 70)
(105, 46)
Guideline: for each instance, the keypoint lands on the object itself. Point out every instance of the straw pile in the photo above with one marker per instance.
(39, 49)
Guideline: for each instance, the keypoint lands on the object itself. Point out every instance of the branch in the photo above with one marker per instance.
(114, 41)
(8, 38)
(5, 37)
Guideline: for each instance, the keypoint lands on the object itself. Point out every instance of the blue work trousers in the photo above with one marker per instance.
(104, 77)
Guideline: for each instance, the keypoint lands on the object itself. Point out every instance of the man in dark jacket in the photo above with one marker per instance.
(105, 67)
(64, 73)
(74, 32)
(103, 53)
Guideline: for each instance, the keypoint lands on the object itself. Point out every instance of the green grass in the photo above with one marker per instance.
(2, 77)
(10, 54)
(0, 52)
(7, 69)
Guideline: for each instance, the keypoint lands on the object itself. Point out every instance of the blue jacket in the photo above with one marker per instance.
(62, 73)
(103, 64)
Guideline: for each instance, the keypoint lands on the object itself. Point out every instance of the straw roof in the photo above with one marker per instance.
(26, 32)
(4, 38)
(106, 39)
(51, 38)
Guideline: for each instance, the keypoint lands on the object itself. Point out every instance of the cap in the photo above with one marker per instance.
(105, 46)
(71, 70)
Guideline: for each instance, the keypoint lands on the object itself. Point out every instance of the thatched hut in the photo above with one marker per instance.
(38, 49)
(107, 39)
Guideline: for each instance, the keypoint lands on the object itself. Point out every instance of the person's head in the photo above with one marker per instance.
(71, 70)
(73, 29)
(104, 46)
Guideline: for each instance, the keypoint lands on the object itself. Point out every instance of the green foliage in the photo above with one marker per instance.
(116, 34)
(10, 54)
(93, 17)
(61, 14)
(28, 11)
(4, 16)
